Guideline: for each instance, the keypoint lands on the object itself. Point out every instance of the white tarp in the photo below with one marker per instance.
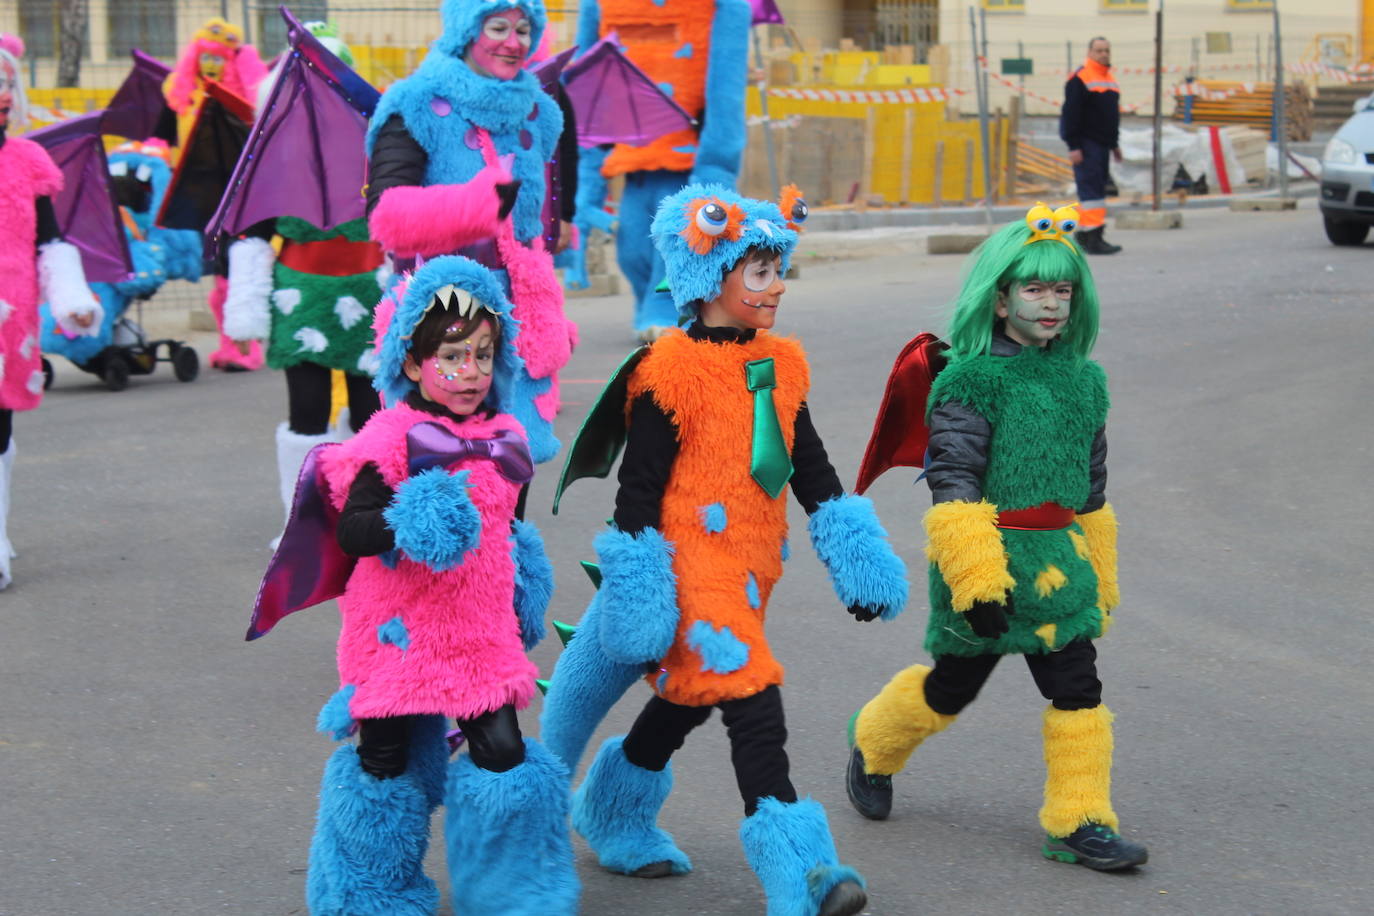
(1190, 148)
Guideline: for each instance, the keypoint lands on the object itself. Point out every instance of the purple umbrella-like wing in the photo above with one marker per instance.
(305, 155)
(87, 212)
(616, 102)
(766, 12)
(138, 103)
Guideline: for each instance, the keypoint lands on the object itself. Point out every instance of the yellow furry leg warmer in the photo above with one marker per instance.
(896, 721)
(1078, 770)
(966, 547)
(1099, 531)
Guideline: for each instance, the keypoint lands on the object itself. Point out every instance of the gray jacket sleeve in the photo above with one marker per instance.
(1097, 474)
(958, 453)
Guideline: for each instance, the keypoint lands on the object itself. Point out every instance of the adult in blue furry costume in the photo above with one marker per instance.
(141, 174)
(458, 153)
(703, 65)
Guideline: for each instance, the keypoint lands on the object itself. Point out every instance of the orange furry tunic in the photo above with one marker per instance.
(671, 43)
(727, 532)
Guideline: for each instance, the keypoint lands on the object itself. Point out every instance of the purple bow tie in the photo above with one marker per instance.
(431, 445)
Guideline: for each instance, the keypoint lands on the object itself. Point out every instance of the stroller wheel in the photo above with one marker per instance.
(185, 363)
(116, 373)
(47, 374)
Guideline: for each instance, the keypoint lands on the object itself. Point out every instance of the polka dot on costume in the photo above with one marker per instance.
(350, 311)
(2, 366)
(369, 363)
(6, 310)
(286, 300)
(35, 384)
(26, 348)
(311, 340)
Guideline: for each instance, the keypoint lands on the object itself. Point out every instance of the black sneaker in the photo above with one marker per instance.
(1098, 847)
(869, 793)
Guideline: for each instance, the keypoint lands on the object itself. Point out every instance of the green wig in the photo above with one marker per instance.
(1005, 259)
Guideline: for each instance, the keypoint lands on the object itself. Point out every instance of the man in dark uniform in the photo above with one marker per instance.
(1089, 123)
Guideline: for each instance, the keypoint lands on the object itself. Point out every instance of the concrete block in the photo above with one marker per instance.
(601, 285)
(1265, 203)
(200, 319)
(1149, 219)
(954, 243)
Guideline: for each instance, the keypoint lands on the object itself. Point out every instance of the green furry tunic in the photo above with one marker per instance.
(1044, 408)
(321, 319)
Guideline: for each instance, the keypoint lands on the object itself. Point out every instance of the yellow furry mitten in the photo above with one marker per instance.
(966, 546)
(1099, 531)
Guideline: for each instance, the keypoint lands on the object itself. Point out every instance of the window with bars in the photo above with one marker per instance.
(40, 24)
(270, 36)
(149, 25)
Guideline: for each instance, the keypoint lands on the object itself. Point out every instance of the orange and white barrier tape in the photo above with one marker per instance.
(869, 96)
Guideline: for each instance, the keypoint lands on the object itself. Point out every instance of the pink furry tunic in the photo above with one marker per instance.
(456, 650)
(28, 174)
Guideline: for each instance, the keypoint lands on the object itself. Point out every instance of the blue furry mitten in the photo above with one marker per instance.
(853, 546)
(533, 581)
(434, 520)
(638, 595)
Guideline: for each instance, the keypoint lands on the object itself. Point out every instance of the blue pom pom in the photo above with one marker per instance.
(639, 611)
(435, 522)
(335, 720)
(533, 582)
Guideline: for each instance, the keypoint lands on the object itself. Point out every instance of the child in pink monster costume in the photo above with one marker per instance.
(217, 53)
(448, 593)
(458, 154)
(36, 265)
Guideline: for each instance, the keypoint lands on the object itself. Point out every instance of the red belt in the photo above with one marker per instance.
(1044, 517)
(336, 257)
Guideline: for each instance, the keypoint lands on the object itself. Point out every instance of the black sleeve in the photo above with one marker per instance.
(362, 531)
(1097, 474)
(166, 128)
(650, 452)
(397, 161)
(567, 159)
(1071, 115)
(813, 477)
(47, 220)
(958, 450)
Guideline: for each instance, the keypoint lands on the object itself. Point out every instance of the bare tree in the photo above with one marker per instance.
(70, 41)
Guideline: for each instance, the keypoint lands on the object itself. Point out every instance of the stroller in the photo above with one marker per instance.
(139, 175)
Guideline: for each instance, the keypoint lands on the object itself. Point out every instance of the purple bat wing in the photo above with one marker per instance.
(87, 212)
(305, 155)
(551, 68)
(766, 12)
(138, 102)
(616, 102)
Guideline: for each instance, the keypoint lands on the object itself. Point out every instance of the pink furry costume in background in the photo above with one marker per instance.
(216, 53)
(35, 265)
(448, 592)
(458, 154)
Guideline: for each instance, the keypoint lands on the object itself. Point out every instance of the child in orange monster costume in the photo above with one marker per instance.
(718, 429)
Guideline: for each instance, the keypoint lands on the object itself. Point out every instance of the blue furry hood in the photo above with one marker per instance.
(463, 21)
(694, 277)
(418, 295)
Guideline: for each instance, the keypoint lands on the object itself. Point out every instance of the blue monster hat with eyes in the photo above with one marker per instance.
(463, 21)
(704, 230)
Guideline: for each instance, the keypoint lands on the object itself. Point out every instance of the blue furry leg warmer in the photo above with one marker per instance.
(789, 847)
(367, 856)
(616, 811)
(636, 255)
(509, 852)
(585, 684)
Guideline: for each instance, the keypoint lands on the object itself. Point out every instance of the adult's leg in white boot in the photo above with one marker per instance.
(6, 551)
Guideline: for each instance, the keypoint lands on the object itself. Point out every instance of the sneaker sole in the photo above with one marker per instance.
(1069, 857)
(858, 804)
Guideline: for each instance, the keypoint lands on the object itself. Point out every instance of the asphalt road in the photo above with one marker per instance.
(152, 762)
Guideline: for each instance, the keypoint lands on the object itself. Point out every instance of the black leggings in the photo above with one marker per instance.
(1067, 678)
(6, 429)
(309, 388)
(493, 741)
(757, 730)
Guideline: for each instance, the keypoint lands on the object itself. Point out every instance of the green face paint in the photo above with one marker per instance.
(1036, 311)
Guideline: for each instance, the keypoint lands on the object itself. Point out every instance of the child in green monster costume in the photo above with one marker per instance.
(1022, 543)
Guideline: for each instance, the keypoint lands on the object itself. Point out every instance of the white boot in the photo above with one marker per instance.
(291, 451)
(6, 551)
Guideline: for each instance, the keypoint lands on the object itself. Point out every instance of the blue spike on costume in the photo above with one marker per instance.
(394, 633)
(713, 518)
(335, 719)
(685, 52)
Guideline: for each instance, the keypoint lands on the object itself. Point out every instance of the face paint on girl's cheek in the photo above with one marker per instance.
(459, 375)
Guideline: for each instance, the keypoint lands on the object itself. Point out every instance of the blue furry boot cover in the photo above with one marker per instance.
(789, 847)
(853, 546)
(367, 856)
(585, 684)
(638, 593)
(428, 757)
(434, 520)
(509, 852)
(616, 811)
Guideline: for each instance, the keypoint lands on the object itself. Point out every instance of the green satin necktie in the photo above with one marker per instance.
(769, 463)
